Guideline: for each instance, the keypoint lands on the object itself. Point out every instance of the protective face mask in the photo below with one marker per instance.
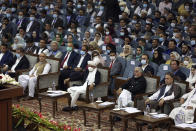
(148, 22)
(102, 8)
(186, 8)
(20, 17)
(69, 49)
(13, 9)
(54, 15)
(108, 51)
(79, 6)
(143, 62)
(122, 8)
(133, 21)
(122, 33)
(82, 52)
(186, 63)
(31, 18)
(17, 55)
(3, 8)
(185, 28)
(46, 7)
(173, 24)
(90, 69)
(144, 5)
(177, 40)
(107, 32)
(112, 58)
(8, 15)
(193, 42)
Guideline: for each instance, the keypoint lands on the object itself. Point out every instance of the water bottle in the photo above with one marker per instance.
(120, 103)
(53, 86)
(147, 109)
(92, 97)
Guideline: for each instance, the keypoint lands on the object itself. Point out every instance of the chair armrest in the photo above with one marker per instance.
(172, 101)
(139, 96)
(21, 71)
(102, 84)
(115, 76)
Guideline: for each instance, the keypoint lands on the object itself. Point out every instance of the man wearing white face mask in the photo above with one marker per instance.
(147, 69)
(115, 69)
(91, 79)
(33, 24)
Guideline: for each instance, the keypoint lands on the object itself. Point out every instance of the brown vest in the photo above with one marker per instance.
(40, 67)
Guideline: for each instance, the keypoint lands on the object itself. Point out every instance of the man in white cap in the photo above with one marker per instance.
(91, 79)
(185, 113)
(42, 67)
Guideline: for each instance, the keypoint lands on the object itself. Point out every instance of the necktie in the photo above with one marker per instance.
(111, 65)
(64, 59)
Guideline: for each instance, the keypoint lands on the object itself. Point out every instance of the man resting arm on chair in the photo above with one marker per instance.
(42, 67)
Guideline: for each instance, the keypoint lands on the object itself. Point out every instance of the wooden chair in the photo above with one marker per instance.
(45, 80)
(101, 90)
(152, 86)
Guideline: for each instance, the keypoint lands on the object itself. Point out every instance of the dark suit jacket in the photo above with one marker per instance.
(72, 61)
(135, 85)
(97, 77)
(30, 49)
(84, 62)
(6, 59)
(23, 63)
(23, 23)
(116, 68)
(149, 70)
(59, 22)
(35, 26)
(179, 75)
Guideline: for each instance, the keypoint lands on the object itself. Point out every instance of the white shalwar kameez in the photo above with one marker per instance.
(26, 80)
(182, 114)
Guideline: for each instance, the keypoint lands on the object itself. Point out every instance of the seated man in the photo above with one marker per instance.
(76, 73)
(42, 67)
(168, 91)
(68, 63)
(42, 48)
(179, 75)
(135, 85)
(20, 62)
(147, 69)
(91, 78)
(115, 69)
(55, 52)
(185, 113)
(6, 57)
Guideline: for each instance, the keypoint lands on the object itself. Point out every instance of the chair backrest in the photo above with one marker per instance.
(155, 67)
(162, 70)
(33, 59)
(55, 64)
(194, 60)
(123, 63)
(128, 73)
(104, 71)
(186, 71)
(165, 56)
(149, 53)
(152, 83)
(183, 85)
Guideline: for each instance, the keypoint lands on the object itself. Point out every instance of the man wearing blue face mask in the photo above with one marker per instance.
(82, 59)
(20, 62)
(33, 24)
(56, 20)
(21, 21)
(147, 69)
(68, 63)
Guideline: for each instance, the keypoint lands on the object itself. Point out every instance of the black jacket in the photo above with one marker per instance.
(23, 64)
(135, 85)
(97, 77)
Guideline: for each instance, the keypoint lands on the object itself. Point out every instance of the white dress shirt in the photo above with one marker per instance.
(45, 71)
(156, 94)
(16, 63)
(1, 56)
(81, 60)
(65, 63)
(144, 67)
(29, 26)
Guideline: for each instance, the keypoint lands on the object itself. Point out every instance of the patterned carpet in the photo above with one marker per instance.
(76, 118)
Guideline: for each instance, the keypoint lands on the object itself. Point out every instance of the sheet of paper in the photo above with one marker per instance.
(116, 40)
(132, 62)
(159, 115)
(106, 103)
(104, 48)
(91, 30)
(130, 109)
(165, 68)
(185, 125)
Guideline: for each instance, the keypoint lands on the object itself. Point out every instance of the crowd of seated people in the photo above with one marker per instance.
(111, 33)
